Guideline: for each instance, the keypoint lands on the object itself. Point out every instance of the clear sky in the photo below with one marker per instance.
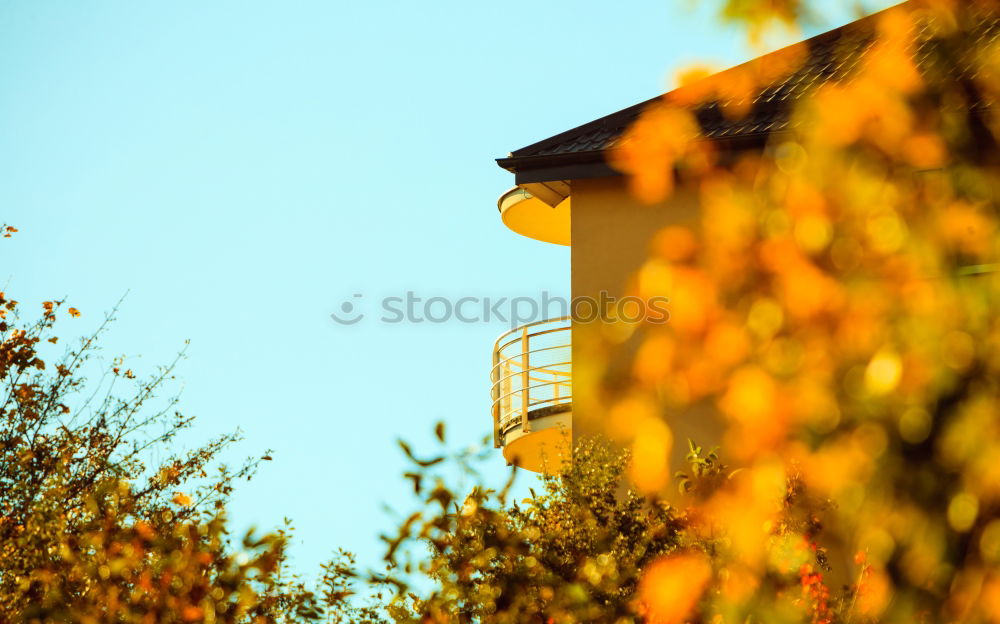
(243, 168)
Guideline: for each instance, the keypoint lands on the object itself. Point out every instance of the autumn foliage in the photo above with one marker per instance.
(94, 529)
(834, 308)
(839, 312)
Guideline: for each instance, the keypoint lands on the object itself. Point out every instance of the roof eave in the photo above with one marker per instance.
(551, 167)
(593, 164)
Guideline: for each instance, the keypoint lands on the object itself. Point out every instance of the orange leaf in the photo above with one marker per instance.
(671, 587)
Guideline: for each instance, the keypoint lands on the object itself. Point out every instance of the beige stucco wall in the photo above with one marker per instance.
(611, 236)
(611, 231)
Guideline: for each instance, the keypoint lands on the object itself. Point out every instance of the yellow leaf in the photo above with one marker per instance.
(651, 454)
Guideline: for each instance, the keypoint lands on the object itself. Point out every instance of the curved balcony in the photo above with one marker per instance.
(542, 215)
(532, 394)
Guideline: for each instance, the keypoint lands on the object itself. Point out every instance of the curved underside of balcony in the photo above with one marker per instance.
(528, 215)
(545, 445)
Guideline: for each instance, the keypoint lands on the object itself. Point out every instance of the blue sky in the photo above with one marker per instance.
(243, 168)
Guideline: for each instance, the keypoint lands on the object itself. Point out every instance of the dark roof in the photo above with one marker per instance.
(580, 152)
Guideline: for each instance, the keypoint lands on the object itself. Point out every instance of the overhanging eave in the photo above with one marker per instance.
(549, 168)
(593, 164)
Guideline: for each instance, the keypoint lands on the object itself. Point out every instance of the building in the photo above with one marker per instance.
(567, 193)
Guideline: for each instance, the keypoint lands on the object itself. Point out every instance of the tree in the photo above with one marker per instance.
(588, 548)
(850, 339)
(845, 329)
(571, 553)
(92, 531)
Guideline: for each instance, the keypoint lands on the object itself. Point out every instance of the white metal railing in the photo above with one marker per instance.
(532, 369)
